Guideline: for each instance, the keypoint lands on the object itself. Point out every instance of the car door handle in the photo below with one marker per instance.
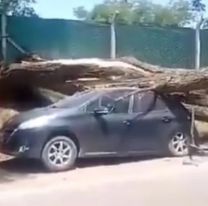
(127, 122)
(166, 119)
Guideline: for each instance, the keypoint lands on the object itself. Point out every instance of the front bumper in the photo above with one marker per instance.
(22, 143)
(14, 144)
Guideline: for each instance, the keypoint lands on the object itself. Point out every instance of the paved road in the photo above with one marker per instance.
(158, 182)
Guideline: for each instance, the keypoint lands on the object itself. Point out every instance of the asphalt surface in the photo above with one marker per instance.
(129, 182)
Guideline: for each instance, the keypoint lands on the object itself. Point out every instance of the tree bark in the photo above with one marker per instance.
(199, 98)
(200, 112)
(66, 76)
(139, 74)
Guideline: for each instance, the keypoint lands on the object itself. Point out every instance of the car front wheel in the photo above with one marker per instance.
(178, 144)
(59, 154)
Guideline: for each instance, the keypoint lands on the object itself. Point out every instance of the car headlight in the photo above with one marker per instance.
(35, 123)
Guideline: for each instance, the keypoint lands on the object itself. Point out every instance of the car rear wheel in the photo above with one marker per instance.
(59, 154)
(178, 144)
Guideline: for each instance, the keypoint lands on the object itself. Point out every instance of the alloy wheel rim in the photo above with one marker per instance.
(179, 144)
(59, 153)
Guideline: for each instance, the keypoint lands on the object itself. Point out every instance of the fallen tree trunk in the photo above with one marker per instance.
(199, 98)
(66, 76)
(202, 128)
(5, 115)
(201, 113)
(64, 71)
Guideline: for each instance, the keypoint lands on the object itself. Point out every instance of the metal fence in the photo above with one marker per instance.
(51, 38)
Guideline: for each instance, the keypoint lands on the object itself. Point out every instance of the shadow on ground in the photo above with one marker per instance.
(84, 163)
(11, 170)
(6, 176)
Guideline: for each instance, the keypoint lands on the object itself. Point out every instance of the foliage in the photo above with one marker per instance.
(198, 6)
(17, 7)
(176, 13)
(80, 12)
(103, 12)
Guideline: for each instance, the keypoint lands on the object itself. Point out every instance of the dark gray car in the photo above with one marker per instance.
(99, 123)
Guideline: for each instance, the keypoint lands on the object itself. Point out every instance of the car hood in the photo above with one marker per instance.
(35, 113)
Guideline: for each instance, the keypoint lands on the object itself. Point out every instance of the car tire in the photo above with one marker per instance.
(178, 144)
(59, 154)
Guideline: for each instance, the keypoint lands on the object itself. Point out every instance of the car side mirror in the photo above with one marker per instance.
(101, 111)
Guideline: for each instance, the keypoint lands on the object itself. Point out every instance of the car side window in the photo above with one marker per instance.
(122, 105)
(147, 100)
(160, 103)
(143, 101)
(92, 105)
(107, 101)
(117, 106)
(111, 101)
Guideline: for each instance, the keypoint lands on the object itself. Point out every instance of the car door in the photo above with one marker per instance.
(103, 133)
(146, 124)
